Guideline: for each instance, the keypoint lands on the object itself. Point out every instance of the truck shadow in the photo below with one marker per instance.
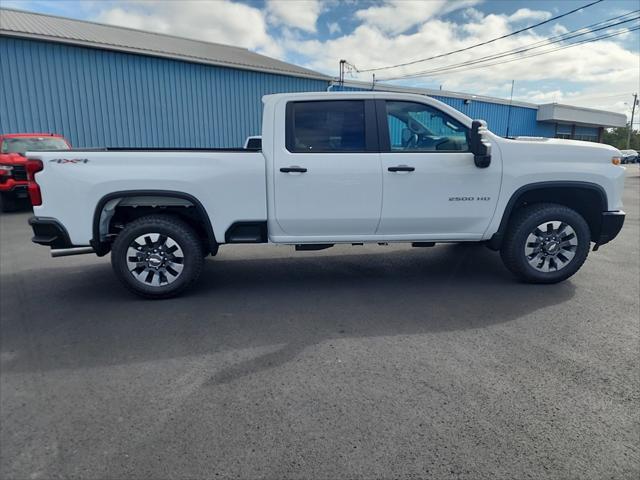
(81, 317)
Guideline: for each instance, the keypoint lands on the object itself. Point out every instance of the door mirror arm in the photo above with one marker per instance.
(480, 146)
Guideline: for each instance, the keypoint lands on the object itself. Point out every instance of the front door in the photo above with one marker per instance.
(328, 174)
(431, 184)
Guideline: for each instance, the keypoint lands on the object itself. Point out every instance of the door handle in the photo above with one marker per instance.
(401, 168)
(293, 169)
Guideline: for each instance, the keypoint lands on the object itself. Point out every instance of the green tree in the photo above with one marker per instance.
(618, 138)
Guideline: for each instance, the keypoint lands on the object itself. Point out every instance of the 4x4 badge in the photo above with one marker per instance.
(69, 160)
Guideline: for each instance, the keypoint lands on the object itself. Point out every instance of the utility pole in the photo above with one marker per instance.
(509, 111)
(633, 111)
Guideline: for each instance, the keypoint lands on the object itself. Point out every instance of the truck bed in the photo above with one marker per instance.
(229, 183)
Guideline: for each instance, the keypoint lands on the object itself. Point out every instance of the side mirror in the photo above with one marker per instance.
(479, 146)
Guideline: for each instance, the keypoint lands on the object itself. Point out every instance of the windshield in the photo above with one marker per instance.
(32, 144)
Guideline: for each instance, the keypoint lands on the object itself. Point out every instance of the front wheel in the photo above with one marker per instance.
(157, 256)
(546, 243)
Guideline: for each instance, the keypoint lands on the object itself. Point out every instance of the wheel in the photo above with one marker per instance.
(8, 202)
(157, 256)
(546, 243)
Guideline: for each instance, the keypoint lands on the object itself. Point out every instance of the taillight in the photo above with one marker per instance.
(33, 167)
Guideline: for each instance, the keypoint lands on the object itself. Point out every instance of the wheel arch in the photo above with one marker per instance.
(588, 199)
(102, 246)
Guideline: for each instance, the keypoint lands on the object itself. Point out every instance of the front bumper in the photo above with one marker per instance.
(50, 232)
(610, 226)
(17, 187)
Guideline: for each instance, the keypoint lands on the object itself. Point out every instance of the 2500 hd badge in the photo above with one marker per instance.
(469, 199)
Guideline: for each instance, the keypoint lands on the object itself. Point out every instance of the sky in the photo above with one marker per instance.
(380, 33)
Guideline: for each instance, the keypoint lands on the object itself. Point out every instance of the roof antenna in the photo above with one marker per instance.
(509, 111)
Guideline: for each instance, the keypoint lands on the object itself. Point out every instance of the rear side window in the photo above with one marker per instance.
(326, 126)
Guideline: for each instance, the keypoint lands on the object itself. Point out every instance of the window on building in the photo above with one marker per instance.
(326, 126)
(564, 131)
(587, 137)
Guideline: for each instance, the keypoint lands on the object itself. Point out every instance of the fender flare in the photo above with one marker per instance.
(495, 242)
(102, 248)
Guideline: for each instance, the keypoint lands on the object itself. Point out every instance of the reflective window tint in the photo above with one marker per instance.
(419, 127)
(327, 126)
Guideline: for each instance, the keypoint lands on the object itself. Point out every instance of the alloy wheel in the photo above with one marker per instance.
(551, 246)
(155, 259)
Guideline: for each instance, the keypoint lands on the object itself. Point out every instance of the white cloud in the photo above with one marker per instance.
(397, 16)
(301, 14)
(220, 21)
(541, 96)
(473, 14)
(559, 29)
(527, 14)
(334, 28)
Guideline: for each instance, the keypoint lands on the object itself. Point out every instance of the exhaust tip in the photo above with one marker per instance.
(65, 252)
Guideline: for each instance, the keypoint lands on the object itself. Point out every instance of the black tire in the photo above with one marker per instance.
(545, 249)
(8, 202)
(180, 234)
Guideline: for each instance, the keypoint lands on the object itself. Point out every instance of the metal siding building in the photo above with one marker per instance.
(521, 120)
(99, 97)
(101, 85)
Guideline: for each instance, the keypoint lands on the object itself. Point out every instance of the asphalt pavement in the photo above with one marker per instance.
(352, 362)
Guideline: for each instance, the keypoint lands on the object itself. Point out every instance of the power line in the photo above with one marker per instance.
(458, 68)
(470, 65)
(566, 36)
(482, 43)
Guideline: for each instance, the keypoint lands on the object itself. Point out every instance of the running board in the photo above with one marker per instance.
(65, 252)
(313, 246)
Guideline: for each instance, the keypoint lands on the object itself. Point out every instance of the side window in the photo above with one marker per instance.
(415, 127)
(326, 126)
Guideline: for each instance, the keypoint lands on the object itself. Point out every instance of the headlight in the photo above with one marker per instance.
(616, 160)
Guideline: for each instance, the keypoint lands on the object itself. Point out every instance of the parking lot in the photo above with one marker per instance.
(368, 362)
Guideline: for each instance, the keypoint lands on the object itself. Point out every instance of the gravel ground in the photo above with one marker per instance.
(353, 362)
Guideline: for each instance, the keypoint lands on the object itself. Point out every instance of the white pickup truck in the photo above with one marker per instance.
(333, 168)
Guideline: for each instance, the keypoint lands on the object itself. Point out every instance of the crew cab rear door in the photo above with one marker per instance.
(432, 187)
(327, 174)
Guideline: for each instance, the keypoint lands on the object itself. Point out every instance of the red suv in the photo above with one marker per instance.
(13, 174)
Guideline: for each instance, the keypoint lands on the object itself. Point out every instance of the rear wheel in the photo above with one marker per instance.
(546, 243)
(157, 256)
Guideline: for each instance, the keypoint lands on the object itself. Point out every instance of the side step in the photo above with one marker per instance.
(423, 244)
(313, 246)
